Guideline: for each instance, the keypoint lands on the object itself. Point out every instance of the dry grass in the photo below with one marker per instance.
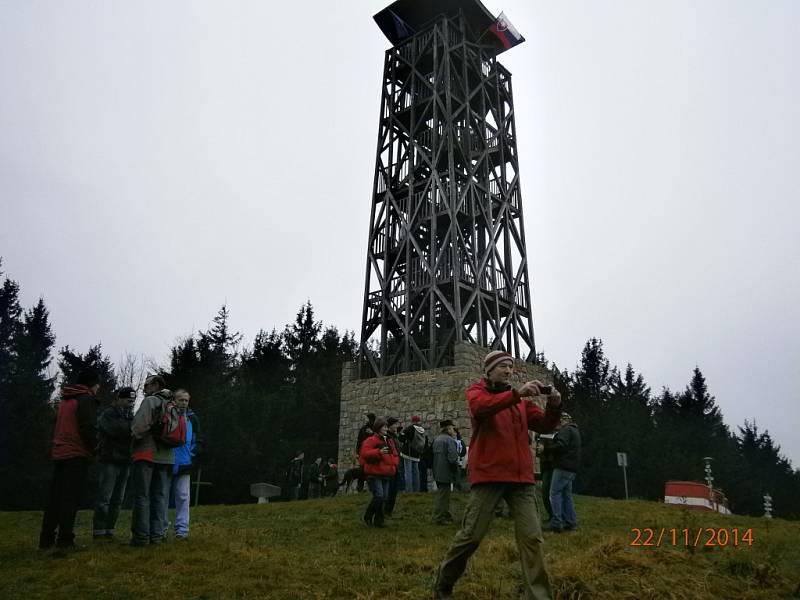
(321, 549)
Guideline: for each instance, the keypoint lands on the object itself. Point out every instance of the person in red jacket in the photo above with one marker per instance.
(380, 465)
(74, 444)
(501, 467)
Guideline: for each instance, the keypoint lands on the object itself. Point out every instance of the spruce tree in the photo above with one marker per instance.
(31, 415)
(206, 365)
(763, 469)
(629, 409)
(26, 342)
(262, 385)
(72, 363)
(589, 394)
(10, 312)
(10, 324)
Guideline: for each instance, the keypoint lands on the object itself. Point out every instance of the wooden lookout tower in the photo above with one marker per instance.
(446, 259)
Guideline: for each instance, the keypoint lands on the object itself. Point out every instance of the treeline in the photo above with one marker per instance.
(260, 403)
(666, 436)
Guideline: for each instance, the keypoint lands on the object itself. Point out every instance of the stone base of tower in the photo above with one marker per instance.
(434, 395)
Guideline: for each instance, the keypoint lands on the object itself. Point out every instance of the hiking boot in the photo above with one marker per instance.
(440, 594)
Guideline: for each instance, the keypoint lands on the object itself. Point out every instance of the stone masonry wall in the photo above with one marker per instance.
(433, 395)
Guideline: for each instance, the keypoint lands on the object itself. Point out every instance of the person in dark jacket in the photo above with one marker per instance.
(460, 484)
(182, 469)
(366, 430)
(330, 477)
(294, 476)
(114, 461)
(445, 470)
(566, 458)
(74, 443)
(501, 467)
(315, 478)
(545, 448)
(413, 442)
(380, 465)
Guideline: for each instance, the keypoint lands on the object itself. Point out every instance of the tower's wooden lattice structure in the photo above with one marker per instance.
(446, 258)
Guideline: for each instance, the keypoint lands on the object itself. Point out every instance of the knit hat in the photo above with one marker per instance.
(126, 392)
(494, 358)
(391, 421)
(415, 419)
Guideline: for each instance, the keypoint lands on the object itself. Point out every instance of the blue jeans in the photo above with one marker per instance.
(111, 482)
(411, 474)
(151, 483)
(180, 491)
(379, 487)
(561, 500)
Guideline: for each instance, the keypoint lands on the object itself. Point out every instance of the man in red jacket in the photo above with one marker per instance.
(501, 466)
(74, 443)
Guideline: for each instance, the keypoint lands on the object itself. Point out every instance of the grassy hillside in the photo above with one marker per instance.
(321, 549)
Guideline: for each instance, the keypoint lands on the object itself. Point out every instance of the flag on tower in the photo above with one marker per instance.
(506, 32)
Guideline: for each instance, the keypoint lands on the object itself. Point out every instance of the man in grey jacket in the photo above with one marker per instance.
(152, 468)
(445, 470)
(566, 460)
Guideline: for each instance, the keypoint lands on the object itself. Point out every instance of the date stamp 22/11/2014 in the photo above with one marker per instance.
(648, 537)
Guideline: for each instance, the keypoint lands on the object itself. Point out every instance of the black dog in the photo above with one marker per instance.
(350, 475)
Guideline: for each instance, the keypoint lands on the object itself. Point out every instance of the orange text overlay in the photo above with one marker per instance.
(704, 536)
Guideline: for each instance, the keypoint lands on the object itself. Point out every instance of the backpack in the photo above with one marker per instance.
(418, 442)
(169, 425)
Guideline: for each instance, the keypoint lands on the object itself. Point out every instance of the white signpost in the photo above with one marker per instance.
(622, 461)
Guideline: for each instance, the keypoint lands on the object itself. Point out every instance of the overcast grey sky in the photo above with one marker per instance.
(158, 159)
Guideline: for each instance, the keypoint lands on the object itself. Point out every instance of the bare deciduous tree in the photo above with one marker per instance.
(132, 370)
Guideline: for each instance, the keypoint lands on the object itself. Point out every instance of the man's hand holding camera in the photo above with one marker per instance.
(533, 388)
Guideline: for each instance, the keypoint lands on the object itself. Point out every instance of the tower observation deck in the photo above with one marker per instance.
(446, 257)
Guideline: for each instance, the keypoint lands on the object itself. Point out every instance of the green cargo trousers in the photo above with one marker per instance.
(521, 499)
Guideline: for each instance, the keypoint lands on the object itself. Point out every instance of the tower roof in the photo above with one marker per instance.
(396, 19)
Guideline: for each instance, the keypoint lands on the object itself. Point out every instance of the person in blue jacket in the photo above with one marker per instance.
(184, 457)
